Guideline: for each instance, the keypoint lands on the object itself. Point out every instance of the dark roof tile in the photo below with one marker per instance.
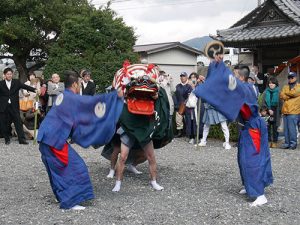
(258, 33)
(242, 30)
(152, 48)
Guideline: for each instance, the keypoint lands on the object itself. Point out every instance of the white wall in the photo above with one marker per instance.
(173, 56)
(174, 61)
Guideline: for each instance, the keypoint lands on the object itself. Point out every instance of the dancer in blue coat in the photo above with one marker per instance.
(254, 158)
(230, 96)
(88, 120)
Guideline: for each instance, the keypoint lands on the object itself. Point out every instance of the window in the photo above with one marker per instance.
(235, 51)
(226, 51)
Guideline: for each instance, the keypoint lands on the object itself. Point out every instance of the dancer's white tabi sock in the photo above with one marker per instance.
(133, 169)
(111, 173)
(226, 145)
(117, 186)
(259, 201)
(243, 191)
(156, 186)
(78, 207)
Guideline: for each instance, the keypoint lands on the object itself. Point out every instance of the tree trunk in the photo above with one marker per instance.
(21, 68)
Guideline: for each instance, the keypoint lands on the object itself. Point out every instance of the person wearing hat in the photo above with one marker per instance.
(290, 95)
(183, 89)
(253, 156)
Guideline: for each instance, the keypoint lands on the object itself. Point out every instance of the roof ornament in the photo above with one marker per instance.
(271, 13)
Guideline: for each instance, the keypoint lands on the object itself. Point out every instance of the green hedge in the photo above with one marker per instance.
(217, 133)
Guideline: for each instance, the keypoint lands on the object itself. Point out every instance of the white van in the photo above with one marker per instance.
(231, 56)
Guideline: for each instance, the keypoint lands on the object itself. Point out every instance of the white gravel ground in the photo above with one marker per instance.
(201, 187)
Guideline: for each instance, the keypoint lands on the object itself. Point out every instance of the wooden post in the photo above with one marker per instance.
(298, 72)
(36, 106)
(198, 122)
(259, 60)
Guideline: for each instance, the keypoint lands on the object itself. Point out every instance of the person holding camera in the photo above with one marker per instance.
(260, 79)
(190, 111)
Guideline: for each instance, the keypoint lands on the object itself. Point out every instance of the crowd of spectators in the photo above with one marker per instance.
(23, 106)
(280, 108)
(21, 103)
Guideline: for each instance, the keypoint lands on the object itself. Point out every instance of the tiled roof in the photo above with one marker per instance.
(250, 29)
(264, 33)
(152, 48)
(297, 3)
(291, 8)
(149, 47)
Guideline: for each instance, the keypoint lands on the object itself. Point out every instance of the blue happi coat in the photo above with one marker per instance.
(88, 120)
(254, 158)
(228, 95)
(222, 90)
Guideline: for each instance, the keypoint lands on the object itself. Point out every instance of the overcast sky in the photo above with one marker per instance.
(156, 21)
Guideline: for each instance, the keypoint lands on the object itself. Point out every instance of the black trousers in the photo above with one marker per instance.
(11, 115)
(272, 131)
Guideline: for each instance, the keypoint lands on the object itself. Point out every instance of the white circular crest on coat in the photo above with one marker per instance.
(59, 99)
(100, 109)
(232, 82)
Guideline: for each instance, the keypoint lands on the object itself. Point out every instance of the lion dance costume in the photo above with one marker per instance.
(143, 119)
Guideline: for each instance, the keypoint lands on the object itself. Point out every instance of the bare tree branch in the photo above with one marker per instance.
(36, 66)
(5, 57)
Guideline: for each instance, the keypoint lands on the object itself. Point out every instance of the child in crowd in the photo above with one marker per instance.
(264, 114)
(212, 117)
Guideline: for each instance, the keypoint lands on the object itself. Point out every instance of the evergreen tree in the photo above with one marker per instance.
(64, 34)
(98, 41)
